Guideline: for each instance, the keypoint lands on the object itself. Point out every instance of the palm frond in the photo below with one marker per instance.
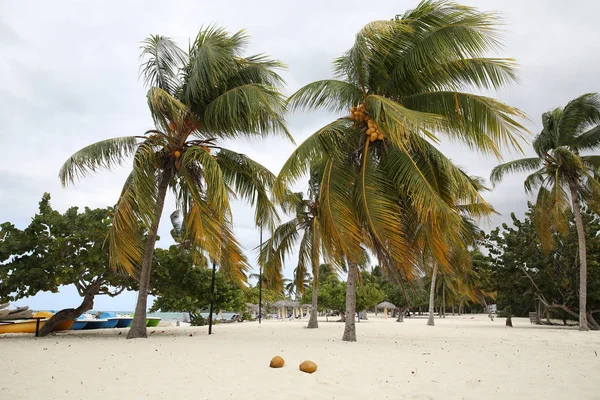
(482, 123)
(516, 166)
(246, 110)
(329, 94)
(163, 60)
(214, 182)
(578, 115)
(105, 154)
(251, 181)
(125, 236)
(212, 57)
(314, 150)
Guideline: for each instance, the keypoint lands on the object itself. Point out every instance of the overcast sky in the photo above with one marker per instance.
(69, 77)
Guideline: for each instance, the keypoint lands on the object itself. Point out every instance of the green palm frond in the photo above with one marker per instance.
(516, 166)
(329, 94)
(105, 154)
(214, 182)
(578, 115)
(482, 123)
(164, 59)
(212, 57)
(258, 69)
(276, 249)
(589, 140)
(245, 110)
(398, 121)
(314, 150)
(251, 181)
(457, 75)
(144, 182)
(339, 225)
(305, 254)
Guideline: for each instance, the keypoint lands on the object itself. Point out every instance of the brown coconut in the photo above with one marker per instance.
(277, 362)
(308, 366)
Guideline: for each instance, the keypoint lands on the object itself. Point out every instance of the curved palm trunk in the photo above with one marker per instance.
(583, 323)
(312, 322)
(431, 321)
(350, 327)
(138, 327)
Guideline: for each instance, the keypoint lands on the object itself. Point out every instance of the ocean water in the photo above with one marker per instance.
(169, 316)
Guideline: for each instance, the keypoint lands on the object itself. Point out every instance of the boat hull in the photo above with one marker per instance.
(64, 326)
(152, 322)
(124, 322)
(79, 324)
(99, 324)
(20, 327)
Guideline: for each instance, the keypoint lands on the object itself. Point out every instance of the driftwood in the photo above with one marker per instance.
(592, 324)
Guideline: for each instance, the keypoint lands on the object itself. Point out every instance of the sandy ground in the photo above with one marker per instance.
(460, 358)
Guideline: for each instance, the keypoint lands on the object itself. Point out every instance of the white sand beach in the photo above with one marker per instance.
(460, 358)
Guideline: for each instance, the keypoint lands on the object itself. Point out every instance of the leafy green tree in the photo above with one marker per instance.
(197, 100)
(561, 173)
(57, 250)
(182, 286)
(523, 274)
(404, 83)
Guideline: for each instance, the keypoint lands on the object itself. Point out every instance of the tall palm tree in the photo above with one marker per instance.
(196, 99)
(564, 170)
(305, 224)
(404, 82)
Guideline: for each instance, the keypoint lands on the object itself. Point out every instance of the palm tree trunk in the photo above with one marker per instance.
(431, 321)
(350, 327)
(583, 323)
(312, 322)
(138, 327)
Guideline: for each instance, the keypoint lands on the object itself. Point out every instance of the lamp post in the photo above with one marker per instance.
(212, 299)
(260, 282)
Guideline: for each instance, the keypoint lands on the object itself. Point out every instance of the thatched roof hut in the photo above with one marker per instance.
(385, 304)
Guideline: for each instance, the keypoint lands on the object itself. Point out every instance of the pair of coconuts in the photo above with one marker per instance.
(306, 366)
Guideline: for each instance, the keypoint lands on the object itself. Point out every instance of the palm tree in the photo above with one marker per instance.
(404, 82)
(561, 172)
(284, 239)
(196, 99)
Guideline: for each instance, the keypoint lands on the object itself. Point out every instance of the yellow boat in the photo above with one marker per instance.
(28, 326)
(20, 326)
(63, 326)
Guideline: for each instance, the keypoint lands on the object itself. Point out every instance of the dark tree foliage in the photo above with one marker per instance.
(523, 273)
(181, 286)
(59, 249)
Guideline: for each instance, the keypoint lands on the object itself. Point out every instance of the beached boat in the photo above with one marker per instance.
(78, 324)
(62, 326)
(152, 321)
(20, 326)
(100, 324)
(122, 322)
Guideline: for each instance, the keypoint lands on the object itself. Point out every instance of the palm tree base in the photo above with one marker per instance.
(137, 332)
(313, 323)
(431, 321)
